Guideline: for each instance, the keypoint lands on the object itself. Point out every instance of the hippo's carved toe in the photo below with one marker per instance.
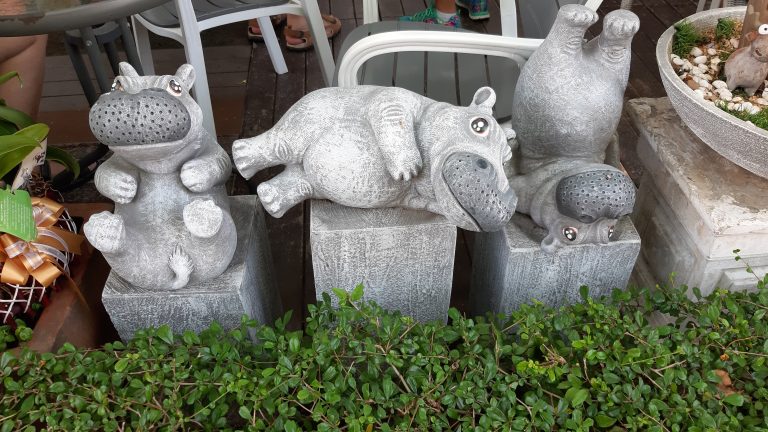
(105, 231)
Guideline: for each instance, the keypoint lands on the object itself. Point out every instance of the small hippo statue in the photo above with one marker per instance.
(569, 97)
(747, 67)
(171, 224)
(371, 146)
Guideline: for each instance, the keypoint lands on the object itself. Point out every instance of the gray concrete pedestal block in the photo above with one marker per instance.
(404, 258)
(695, 207)
(246, 287)
(510, 269)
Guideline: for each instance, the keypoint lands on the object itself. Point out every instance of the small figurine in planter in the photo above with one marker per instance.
(171, 223)
(373, 147)
(747, 67)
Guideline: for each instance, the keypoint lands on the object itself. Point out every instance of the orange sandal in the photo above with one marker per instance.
(254, 31)
(304, 37)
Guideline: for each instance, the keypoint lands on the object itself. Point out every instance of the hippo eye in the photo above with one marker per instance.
(480, 126)
(174, 87)
(570, 233)
(763, 29)
(610, 232)
(117, 85)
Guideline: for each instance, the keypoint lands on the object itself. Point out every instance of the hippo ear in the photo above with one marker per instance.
(127, 70)
(751, 36)
(186, 73)
(484, 99)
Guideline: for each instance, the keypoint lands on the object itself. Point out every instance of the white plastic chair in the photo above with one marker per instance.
(184, 20)
(504, 56)
(714, 4)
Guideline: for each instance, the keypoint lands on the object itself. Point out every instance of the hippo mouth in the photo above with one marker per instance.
(151, 117)
(473, 182)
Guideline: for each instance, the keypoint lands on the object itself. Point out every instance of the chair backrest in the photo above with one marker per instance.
(714, 4)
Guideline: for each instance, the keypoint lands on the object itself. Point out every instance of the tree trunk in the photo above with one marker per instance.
(757, 13)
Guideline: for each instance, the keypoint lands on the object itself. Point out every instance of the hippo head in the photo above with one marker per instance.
(151, 121)
(466, 149)
(584, 207)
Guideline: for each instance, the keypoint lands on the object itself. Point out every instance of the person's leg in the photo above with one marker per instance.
(25, 55)
(441, 12)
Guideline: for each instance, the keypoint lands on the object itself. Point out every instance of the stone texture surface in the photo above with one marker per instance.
(403, 257)
(742, 143)
(695, 207)
(246, 287)
(510, 269)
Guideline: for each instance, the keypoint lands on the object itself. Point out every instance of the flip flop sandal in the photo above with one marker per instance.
(332, 28)
(254, 31)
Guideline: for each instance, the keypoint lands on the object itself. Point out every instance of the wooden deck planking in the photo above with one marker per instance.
(245, 71)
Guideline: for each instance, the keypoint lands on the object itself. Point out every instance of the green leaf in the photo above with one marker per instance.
(18, 118)
(357, 293)
(37, 131)
(578, 397)
(604, 421)
(244, 412)
(165, 334)
(340, 294)
(13, 150)
(584, 292)
(294, 344)
(27, 405)
(7, 128)
(8, 75)
(266, 373)
(58, 155)
(121, 365)
(57, 387)
(734, 399)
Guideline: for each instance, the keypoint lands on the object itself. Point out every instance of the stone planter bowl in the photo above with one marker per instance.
(738, 141)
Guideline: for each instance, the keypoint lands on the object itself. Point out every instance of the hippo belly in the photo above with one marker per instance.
(155, 219)
(350, 170)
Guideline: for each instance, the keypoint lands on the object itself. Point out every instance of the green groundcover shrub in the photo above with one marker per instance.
(598, 365)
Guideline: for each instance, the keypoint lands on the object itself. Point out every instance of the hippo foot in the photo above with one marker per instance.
(105, 231)
(284, 191)
(197, 175)
(203, 218)
(252, 155)
(578, 16)
(621, 25)
(119, 186)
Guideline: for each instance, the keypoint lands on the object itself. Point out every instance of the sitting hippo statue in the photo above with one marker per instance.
(373, 146)
(171, 224)
(569, 97)
(577, 202)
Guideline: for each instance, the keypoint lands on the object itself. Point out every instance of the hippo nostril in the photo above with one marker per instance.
(481, 163)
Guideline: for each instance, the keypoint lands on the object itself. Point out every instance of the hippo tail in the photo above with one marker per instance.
(181, 265)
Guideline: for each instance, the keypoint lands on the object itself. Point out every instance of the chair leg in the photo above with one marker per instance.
(322, 47)
(273, 45)
(143, 48)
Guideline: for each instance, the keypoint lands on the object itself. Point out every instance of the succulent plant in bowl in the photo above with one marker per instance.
(739, 141)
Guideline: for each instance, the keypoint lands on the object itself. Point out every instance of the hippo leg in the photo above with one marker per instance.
(203, 218)
(106, 232)
(269, 149)
(287, 189)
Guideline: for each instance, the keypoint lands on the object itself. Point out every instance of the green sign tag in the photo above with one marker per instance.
(16, 217)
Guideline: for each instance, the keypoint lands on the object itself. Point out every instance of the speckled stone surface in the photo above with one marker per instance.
(694, 207)
(510, 269)
(246, 287)
(740, 142)
(403, 257)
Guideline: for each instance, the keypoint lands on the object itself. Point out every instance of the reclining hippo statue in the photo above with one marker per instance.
(171, 224)
(373, 146)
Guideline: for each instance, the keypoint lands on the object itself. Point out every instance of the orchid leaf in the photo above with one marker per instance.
(18, 118)
(37, 131)
(56, 154)
(9, 75)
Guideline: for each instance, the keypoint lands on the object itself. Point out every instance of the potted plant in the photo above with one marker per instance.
(692, 55)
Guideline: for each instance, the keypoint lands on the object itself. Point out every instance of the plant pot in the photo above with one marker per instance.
(66, 318)
(738, 141)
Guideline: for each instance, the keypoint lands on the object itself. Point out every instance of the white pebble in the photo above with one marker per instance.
(674, 56)
(707, 77)
(712, 51)
(754, 110)
(765, 93)
(696, 51)
(678, 61)
(687, 65)
(762, 101)
(738, 98)
(715, 61)
(718, 84)
(700, 93)
(724, 94)
(700, 59)
(731, 106)
(703, 68)
(734, 42)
